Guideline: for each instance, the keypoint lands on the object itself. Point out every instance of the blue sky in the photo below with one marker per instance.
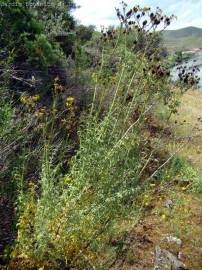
(102, 12)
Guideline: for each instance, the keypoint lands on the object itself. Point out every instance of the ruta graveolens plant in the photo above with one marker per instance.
(68, 218)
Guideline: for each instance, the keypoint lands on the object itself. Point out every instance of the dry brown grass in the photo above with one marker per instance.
(183, 221)
(187, 127)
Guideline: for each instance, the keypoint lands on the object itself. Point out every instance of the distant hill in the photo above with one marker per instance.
(183, 39)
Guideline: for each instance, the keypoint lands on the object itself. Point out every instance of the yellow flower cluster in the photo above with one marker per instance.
(40, 113)
(163, 216)
(35, 98)
(67, 179)
(147, 199)
(29, 100)
(70, 103)
(70, 99)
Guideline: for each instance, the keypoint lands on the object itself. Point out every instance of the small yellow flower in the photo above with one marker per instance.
(152, 185)
(186, 210)
(24, 99)
(163, 216)
(39, 114)
(67, 179)
(70, 103)
(70, 99)
(184, 188)
(71, 108)
(35, 98)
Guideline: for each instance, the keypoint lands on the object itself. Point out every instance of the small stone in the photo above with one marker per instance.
(169, 204)
(166, 260)
(174, 240)
(181, 256)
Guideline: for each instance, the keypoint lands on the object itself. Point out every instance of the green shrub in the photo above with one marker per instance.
(40, 51)
(197, 185)
(26, 50)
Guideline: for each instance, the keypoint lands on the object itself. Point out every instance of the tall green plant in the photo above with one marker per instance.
(73, 214)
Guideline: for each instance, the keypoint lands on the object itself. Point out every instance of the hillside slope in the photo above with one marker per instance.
(183, 39)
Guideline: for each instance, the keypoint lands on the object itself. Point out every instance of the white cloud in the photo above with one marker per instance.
(96, 12)
(102, 12)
